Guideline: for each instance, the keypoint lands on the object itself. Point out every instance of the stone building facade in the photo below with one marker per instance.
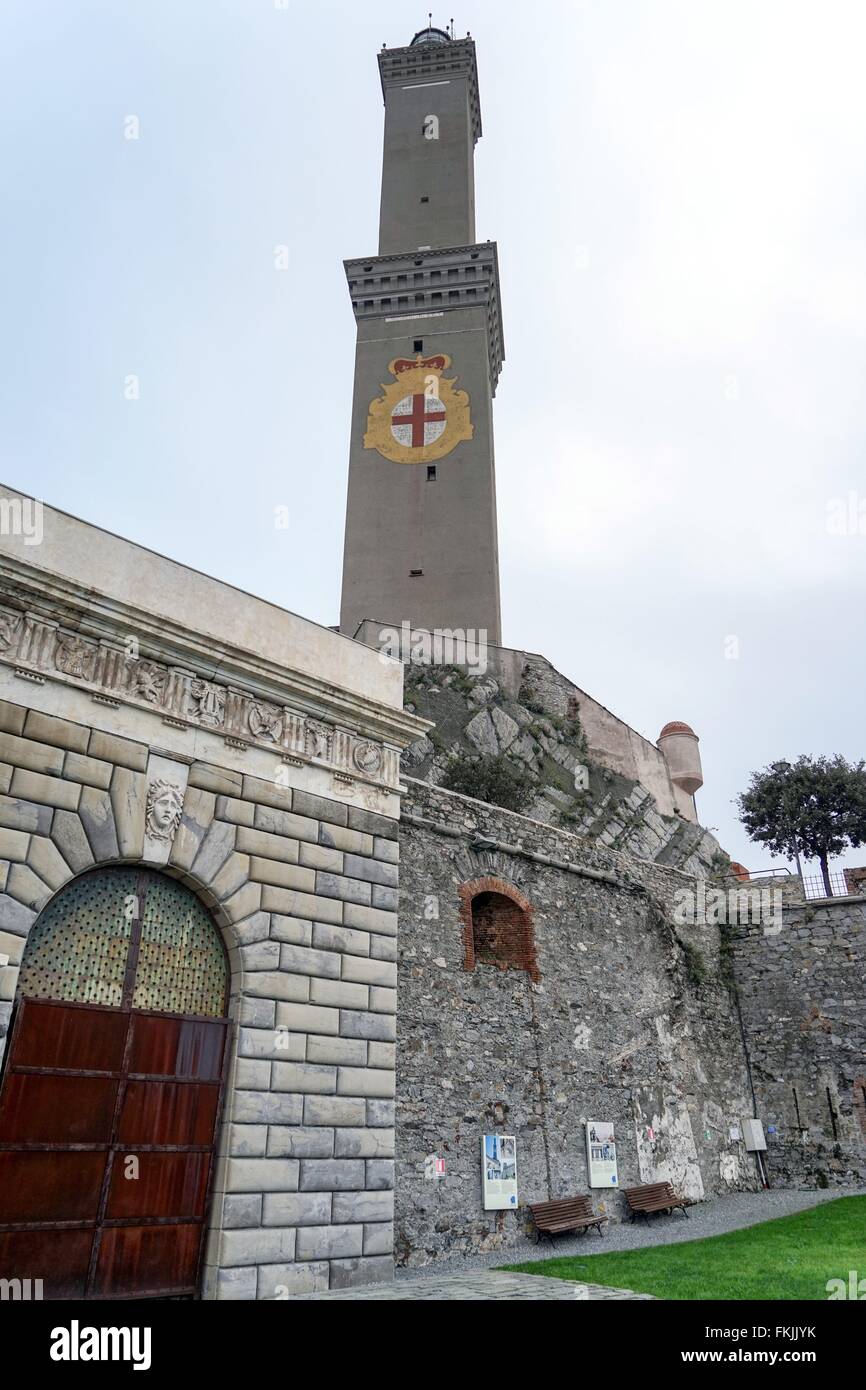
(153, 719)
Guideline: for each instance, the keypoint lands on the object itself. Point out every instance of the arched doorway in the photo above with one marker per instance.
(112, 1089)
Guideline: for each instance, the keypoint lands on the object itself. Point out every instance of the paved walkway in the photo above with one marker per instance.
(482, 1285)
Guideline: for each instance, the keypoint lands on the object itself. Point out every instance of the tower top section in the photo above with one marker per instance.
(433, 57)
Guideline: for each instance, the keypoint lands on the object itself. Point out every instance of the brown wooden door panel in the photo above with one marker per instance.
(148, 1259)
(59, 1258)
(168, 1112)
(177, 1047)
(39, 1108)
(39, 1185)
(168, 1185)
(72, 1039)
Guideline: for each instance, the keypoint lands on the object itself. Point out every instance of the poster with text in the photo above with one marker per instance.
(499, 1171)
(601, 1154)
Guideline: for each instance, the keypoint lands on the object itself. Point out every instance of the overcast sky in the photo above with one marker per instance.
(678, 191)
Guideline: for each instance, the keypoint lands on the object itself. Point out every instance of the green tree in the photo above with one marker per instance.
(490, 779)
(815, 807)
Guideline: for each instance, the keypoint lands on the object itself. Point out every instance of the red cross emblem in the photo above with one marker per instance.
(418, 420)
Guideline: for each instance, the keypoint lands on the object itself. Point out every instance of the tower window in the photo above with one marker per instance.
(418, 345)
(431, 473)
(425, 199)
(415, 574)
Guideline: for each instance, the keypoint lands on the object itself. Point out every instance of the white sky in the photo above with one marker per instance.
(679, 194)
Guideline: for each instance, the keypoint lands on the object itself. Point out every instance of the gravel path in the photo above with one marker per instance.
(710, 1218)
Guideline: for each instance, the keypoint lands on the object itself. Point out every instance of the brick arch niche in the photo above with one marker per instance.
(498, 928)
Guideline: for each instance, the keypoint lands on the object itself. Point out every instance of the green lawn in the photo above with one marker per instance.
(792, 1257)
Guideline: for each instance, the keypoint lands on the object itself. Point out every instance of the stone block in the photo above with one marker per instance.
(339, 837)
(262, 1175)
(257, 1013)
(243, 903)
(266, 1108)
(379, 1239)
(348, 1052)
(371, 824)
(302, 960)
(28, 889)
(277, 1282)
(388, 899)
(299, 1141)
(388, 850)
(278, 875)
(333, 1110)
(223, 781)
(261, 955)
(382, 1055)
(380, 1174)
(268, 846)
(364, 1143)
(380, 1114)
(304, 1078)
(97, 820)
(383, 947)
(114, 749)
(216, 845)
(339, 994)
(252, 1074)
(363, 1206)
(290, 903)
(77, 767)
(242, 1211)
(365, 1081)
(267, 793)
(349, 890)
(47, 791)
(263, 1246)
(198, 813)
(307, 1018)
(12, 718)
(372, 870)
(351, 1274)
(232, 876)
(276, 820)
(25, 816)
(47, 861)
(68, 835)
(320, 857)
(375, 1027)
(272, 1044)
(231, 809)
(371, 919)
(247, 1141)
(251, 929)
(328, 937)
(292, 930)
(319, 808)
(290, 992)
(382, 1001)
(38, 757)
(14, 845)
(48, 728)
(297, 1208)
(360, 970)
(15, 917)
(235, 1285)
(331, 1174)
(327, 1242)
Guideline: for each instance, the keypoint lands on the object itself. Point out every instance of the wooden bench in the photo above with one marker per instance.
(567, 1214)
(655, 1196)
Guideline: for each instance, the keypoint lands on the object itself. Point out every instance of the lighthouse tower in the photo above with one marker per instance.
(420, 542)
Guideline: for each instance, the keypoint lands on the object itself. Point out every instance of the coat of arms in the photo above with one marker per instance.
(420, 417)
